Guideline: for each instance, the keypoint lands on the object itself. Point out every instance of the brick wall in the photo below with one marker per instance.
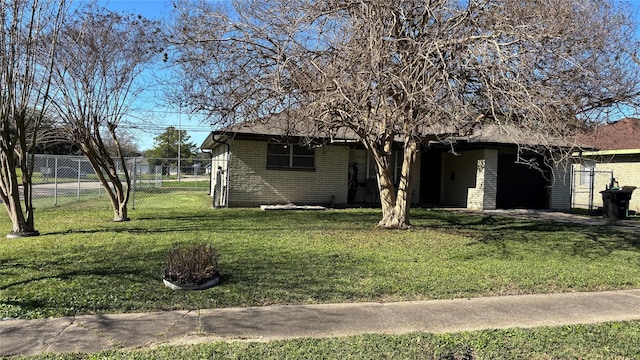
(470, 179)
(560, 192)
(252, 184)
(490, 191)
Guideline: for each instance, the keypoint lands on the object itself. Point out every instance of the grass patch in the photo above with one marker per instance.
(602, 341)
(85, 264)
(41, 202)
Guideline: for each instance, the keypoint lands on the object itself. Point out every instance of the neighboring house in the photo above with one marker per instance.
(616, 155)
(268, 164)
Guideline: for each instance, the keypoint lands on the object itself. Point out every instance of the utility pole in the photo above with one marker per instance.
(179, 137)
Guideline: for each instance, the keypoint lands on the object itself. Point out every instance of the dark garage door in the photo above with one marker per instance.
(520, 187)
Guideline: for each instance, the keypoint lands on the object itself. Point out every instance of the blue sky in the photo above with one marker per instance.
(162, 115)
(149, 8)
(157, 115)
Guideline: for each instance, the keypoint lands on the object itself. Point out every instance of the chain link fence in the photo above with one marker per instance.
(59, 180)
(586, 186)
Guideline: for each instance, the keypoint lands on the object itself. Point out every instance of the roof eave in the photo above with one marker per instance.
(608, 152)
(213, 140)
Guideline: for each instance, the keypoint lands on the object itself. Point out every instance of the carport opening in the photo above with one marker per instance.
(521, 186)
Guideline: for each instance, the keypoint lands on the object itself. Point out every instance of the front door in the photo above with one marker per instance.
(430, 177)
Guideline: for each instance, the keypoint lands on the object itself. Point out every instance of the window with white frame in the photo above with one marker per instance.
(290, 156)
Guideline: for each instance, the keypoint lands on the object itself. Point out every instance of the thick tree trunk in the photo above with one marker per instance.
(107, 173)
(120, 212)
(119, 198)
(396, 205)
(22, 224)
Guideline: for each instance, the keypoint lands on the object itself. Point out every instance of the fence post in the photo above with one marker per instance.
(78, 196)
(55, 183)
(592, 176)
(158, 179)
(133, 190)
(573, 187)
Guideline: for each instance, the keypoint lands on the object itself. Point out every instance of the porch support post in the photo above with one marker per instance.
(483, 195)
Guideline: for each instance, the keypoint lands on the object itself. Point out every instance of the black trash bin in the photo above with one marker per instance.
(615, 202)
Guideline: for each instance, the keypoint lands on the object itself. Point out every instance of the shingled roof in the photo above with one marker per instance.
(282, 126)
(620, 135)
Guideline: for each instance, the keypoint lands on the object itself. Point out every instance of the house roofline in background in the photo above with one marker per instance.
(488, 134)
(608, 152)
(218, 138)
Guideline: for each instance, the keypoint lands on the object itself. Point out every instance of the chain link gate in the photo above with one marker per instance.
(586, 184)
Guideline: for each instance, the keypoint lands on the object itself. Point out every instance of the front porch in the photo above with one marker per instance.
(482, 178)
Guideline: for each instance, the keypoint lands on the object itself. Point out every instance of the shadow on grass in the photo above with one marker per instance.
(62, 266)
(585, 240)
(263, 270)
(197, 222)
(229, 220)
(249, 278)
(71, 274)
(588, 241)
(65, 287)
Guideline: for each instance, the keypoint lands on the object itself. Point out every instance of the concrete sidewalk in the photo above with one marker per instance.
(93, 333)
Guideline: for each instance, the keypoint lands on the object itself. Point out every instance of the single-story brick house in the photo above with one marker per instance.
(264, 164)
(615, 154)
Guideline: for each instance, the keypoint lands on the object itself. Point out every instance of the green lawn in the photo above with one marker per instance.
(84, 264)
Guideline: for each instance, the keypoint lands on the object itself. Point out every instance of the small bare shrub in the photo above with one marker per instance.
(191, 264)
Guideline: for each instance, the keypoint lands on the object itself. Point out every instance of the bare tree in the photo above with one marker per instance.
(28, 42)
(411, 71)
(97, 77)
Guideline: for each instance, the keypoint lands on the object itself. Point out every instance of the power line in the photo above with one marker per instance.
(162, 128)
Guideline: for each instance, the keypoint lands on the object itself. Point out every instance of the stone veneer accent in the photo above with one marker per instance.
(560, 192)
(470, 179)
